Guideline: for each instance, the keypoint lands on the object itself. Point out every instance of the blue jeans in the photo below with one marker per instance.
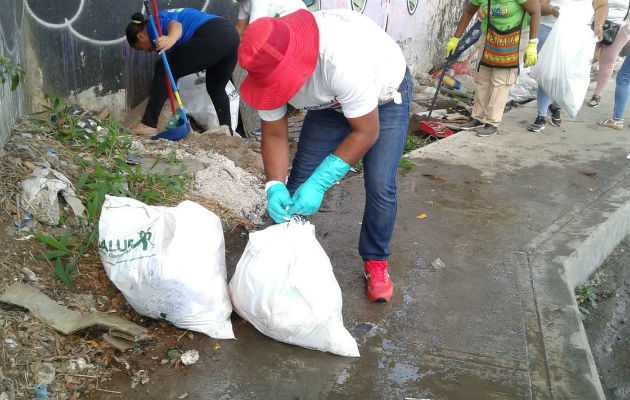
(543, 98)
(622, 90)
(324, 130)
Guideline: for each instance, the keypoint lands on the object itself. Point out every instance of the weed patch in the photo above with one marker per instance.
(101, 149)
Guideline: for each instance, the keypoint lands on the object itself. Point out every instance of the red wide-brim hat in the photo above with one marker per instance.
(279, 55)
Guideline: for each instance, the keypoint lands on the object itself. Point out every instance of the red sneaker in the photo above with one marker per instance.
(379, 287)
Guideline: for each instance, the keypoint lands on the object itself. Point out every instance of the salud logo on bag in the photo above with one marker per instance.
(124, 245)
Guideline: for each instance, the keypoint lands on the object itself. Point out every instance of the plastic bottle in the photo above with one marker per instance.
(451, 83)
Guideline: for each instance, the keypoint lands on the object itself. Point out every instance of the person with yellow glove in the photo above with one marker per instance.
(499, 66)
(451, 46)
(531, 54)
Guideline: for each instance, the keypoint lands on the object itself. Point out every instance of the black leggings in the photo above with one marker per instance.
(213, 47)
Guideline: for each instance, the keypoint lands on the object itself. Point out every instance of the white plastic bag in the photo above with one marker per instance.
(284, 286)
(192, 89)
(563, 68)
(525, 88)
(169, 262)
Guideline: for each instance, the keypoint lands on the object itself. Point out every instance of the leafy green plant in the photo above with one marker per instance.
(584, 294)
(9, 71)
(406, 164)
(61, 250)
(415, 142)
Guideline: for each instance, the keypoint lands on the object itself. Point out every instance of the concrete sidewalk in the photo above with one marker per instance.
(517, 219)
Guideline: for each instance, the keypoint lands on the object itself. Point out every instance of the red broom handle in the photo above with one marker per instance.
(159, 29)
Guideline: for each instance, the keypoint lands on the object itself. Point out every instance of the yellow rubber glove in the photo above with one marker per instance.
(531, 55)
(451, 46)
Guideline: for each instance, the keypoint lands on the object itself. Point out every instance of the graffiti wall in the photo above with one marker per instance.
(421, 27)
(12, 103)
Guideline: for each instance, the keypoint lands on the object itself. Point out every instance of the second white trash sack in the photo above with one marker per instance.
(284, 285)
(168, 262)
(564, 63)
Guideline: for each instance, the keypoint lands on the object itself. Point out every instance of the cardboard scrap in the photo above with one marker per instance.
(68, 321)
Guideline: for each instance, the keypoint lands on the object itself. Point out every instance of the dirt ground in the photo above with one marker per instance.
(77, 366)
(608, 325)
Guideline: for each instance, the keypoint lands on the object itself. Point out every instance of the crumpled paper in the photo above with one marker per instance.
(41, 189)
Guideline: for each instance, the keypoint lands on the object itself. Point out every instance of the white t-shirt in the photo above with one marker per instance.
(254, 9)
(359, 67)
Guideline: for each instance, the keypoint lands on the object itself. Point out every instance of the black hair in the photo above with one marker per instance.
(137, 24)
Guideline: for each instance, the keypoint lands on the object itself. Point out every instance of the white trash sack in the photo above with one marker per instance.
(192, 89)
(564, 63)
(284, 285)
(168, 262)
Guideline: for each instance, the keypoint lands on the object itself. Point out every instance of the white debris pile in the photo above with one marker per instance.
(231, 186)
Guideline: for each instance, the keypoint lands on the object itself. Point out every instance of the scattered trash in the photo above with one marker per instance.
(45, 374)
(525, 89)
(435, 129)
(11, 344)
(173, 353)
(168, 262)
(429, 90)
(140, 377)
(131, 160)
(69, 321)
(434, 177)
(217, 347)
(421, 216)
(41, 391)
(53, 152)
(591, 174)
(29, 274)
(29, 165)
(183, 396)
(41, 189)
(437, 263)
(190, 357)
(277, 287)
(29, 218)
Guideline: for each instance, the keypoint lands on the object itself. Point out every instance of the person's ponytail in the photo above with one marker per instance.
(137, 24)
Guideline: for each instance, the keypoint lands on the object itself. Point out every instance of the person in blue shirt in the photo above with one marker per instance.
(193, 41)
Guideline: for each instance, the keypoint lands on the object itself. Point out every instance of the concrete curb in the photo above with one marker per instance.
(559, 259)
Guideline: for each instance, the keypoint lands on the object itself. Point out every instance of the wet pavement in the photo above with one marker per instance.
(467, 329)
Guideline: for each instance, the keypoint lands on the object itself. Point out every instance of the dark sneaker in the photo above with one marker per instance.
(538, 125)
(594, 101)
(487, 130)
(472, 124)
(555, 115)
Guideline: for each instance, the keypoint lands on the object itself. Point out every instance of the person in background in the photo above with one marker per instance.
(250, 10)
(617, 13)
(499, 66)
(193, 41)
(622, 91)
(550, 12)
(353, 80)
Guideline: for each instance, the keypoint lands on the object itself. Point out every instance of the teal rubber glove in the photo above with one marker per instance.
(310, 194)
(278, 200)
